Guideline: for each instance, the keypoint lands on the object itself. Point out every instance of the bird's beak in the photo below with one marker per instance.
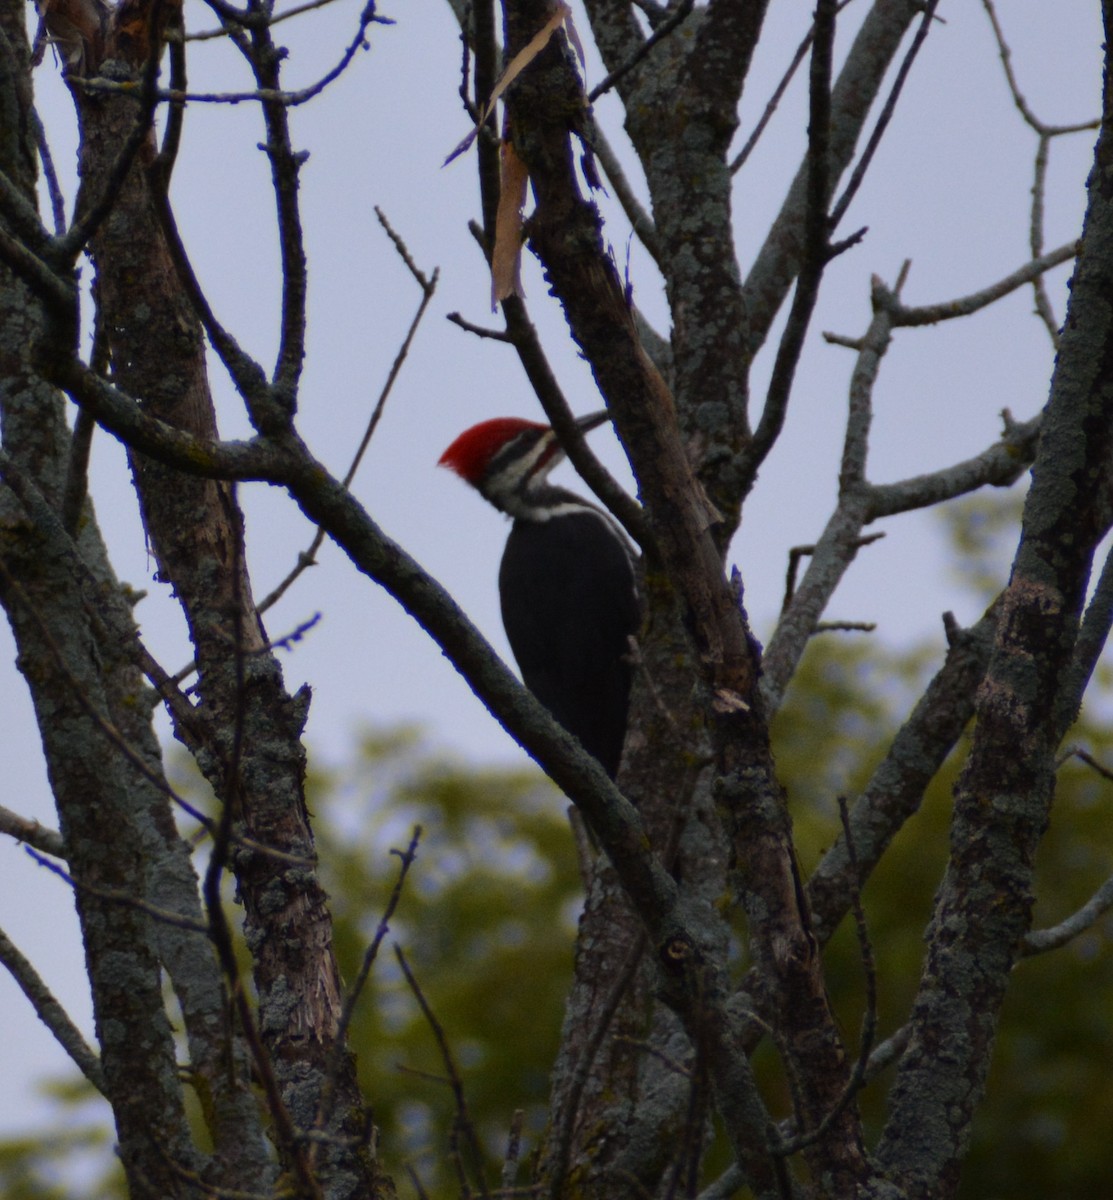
(592, 421)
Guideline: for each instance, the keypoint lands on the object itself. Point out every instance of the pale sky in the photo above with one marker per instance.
(949, 190)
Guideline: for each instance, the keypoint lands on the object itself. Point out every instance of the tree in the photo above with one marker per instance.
(700, 942)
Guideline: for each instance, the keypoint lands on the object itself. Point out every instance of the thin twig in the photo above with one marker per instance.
(207, 35)
(662, 31)
(24, 829)
(428, 287)
(81, 444)
(286, 163)
(931, 314)
(248, 376)
(50, 1012)
(1044, 135)
(1086, 757)
(869, 1017)
(263, 95)
(164, 916)
(838, 211)
(1035, 238)
(50, 174)
(1093, 634)
(778, 93)
(480, 331)
(55, 291)
(1039, 941)
(113, 734)
(739, 159)
(605, 1014)
(513, 1151)
(308, 557)
(796, 553)
(815, 244)
(204, 1187)
(845, 627)
(463, 1118)
(889, 1051)
(175, 118)
(328, 1091)
(728, 1185)
(422, 1194)
(677, 1068)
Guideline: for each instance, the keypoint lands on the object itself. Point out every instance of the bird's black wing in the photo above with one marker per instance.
(569, 605)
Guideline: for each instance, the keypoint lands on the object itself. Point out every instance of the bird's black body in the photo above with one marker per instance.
(567, 585)
(569, 606)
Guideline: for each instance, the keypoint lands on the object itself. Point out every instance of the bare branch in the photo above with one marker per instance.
(897, 786)
(308, 557)
(815, 249)
(114, 896)
(845, 626)
(247, 374)
(24, 829)
(623, 507)
(855, 90)
(50, 1012)
(838, 210)
(1092, 636)
(796, 553)
(930, 314)
(55, 292)
(50, 174)
(778, 92)
(1044, 135)
(1039, 941)
(513, 1150)
(464, 1121)
(480, 331)
(1029, 116)
(662, 30)
(999, 465)
(727, 1186)
(604, 1014)
(274, 19)
(869, 1017)
(739, 159)
(328, 1091)
(842, 537)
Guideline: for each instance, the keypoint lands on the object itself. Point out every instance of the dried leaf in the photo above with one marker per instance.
(506, 261)
(516, 66)
(531, 50)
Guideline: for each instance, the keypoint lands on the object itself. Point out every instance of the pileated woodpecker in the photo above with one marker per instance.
(566, 583)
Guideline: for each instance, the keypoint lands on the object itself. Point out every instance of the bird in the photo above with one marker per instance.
(567, 582)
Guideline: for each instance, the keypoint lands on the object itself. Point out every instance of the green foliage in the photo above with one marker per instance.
(1042, 1129)
(981, 531)
(487, 920)
(71, 1160)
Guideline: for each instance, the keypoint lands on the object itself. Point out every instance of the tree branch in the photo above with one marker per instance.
(1039, 941)
(1003, 797)
(932, 313)
(50, 1012)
